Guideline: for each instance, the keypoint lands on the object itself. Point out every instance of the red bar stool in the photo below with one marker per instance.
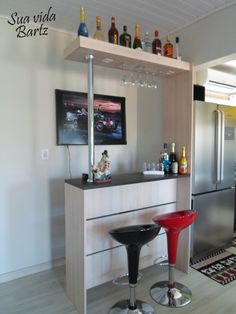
(133, 237)
(171, 293)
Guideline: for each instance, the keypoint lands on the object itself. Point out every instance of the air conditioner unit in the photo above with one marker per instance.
(222, 80)
(220, 87)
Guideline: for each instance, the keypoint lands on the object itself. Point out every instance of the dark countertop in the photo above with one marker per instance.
(122, 179)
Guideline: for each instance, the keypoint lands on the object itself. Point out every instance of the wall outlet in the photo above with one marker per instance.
(45, 154)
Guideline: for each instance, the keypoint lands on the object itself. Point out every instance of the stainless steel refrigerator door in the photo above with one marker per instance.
(214, 225)
(229, 148)
(204, 176)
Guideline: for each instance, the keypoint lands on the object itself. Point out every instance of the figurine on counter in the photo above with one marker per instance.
(102, 172)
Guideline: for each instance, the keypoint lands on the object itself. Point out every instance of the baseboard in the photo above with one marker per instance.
(31, 270)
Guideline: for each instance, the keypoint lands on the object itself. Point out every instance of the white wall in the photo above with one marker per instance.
(31, 190)
(150, 125)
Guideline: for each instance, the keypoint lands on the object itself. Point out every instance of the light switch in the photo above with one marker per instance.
(45, 154)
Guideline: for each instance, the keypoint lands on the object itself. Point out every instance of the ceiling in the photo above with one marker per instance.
(167, 16)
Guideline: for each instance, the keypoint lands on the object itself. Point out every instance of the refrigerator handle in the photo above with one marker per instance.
(218, 145)
(222, 114)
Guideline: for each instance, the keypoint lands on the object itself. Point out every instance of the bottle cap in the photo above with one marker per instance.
(82, 14)
(125, 28)
(98, 20)
(156, 33)
(177, 40)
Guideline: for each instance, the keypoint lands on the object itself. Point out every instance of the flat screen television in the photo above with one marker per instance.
(72, 119)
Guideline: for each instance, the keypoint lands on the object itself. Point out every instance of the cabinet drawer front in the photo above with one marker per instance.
(115, 199)
(113, 263)
(97, 236)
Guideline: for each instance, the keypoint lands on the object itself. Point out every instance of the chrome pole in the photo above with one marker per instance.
(90, 119)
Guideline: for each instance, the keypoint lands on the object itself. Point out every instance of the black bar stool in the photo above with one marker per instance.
(133, 237)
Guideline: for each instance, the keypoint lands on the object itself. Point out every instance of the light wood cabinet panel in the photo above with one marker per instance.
(97, 230)
(117, 199)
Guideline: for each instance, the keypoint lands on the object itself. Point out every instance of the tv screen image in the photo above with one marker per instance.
(72, 119)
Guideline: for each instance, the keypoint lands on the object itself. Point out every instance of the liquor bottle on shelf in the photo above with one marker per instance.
(147, 44)
(98, 34)
(168, 48)
(173, 159)
(177, 50)
(82, 30)
(113, 34)
(183, 164)
(156, 44)
(125, 38)
(165, 159)
(137, 44)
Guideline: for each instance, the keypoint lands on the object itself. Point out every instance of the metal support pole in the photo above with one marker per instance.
(171, 275)
(90, 119)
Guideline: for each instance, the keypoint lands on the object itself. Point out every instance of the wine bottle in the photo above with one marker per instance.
(173, 159)
(113, 34)
(183, 164)
(125, 38)
(98, 34)
(82, 30)
(168, 48)
(147, 44)
(165, 159)
(156, 44)
(137, 44)
(177, 50)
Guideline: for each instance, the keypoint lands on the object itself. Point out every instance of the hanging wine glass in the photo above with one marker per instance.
(154, 80)
(124, 77)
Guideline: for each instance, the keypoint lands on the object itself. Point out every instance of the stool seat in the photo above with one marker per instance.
(133, 237)
(171, 293)
(177, 220)
(135, 234)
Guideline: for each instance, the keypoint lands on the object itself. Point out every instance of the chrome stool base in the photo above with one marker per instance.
(122, 307)
(178, 296)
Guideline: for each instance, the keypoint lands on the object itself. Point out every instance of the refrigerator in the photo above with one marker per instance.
(213, 177)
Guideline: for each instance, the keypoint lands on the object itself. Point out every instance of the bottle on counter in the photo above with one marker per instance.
(177, 50)
(147, 43)
(156, 44)
(173, 159)
(113, 34)
(98, 34)
(82, 30)
(183, 164)
(168, 50)
(165, 159)
(137, 44)
(125, 38)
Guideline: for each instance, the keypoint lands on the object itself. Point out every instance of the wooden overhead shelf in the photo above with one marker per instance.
(119, 57)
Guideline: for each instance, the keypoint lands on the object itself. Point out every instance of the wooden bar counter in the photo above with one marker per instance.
(91, 210)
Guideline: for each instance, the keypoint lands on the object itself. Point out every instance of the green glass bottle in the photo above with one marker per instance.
(125, 38)
(137, 44)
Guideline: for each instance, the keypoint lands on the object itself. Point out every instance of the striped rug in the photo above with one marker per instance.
(234, 240)
(220, 267)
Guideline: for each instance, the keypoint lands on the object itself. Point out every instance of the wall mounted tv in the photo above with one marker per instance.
(72, 119)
